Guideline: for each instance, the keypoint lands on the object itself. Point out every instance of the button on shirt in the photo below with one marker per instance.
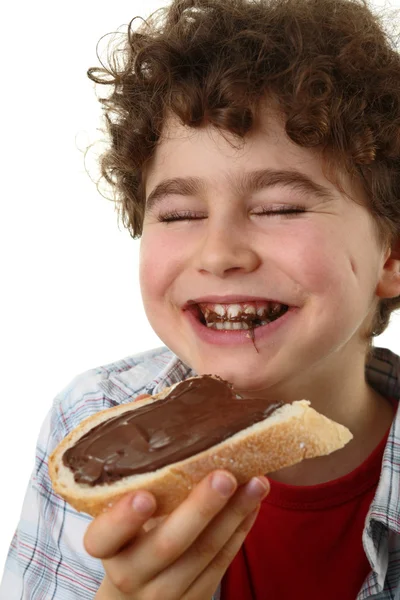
(47, 560)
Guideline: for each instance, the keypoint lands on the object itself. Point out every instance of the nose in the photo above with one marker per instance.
(226, 249)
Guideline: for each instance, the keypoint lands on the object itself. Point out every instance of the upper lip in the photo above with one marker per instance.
(232, 299)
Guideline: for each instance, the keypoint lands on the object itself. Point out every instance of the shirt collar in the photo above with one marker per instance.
(145, 377)
(383, 520)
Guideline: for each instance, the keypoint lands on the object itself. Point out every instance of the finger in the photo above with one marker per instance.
(148, 526)
(210, 542)
(151, 523)
(155, 551)
(207, 582)
(109, 532)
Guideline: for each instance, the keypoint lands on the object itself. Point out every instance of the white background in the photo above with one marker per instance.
(70, 299)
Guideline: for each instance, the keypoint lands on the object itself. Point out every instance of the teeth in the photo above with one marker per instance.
(220, 310)
(250, 310)
(275, 308)
(228, 325)
(227, 313)
(234, 310)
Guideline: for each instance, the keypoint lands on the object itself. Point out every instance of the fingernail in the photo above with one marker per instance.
(142, 504)
(223, 483)
(257, 487)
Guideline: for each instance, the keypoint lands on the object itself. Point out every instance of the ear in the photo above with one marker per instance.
(389, 282)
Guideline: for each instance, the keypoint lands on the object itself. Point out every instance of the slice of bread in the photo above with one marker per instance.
(292, 433)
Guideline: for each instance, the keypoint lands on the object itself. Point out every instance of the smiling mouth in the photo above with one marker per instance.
(237, 317)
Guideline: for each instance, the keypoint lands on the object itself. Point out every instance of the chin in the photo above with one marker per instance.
(246, 370)
(243, 379)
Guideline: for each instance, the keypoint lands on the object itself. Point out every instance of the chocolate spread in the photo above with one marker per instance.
(196, 414)
(244, 318)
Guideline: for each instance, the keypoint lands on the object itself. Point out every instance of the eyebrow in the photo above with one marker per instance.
(246, 183)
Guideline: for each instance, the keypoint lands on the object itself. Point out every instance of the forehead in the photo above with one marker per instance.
(219, 159)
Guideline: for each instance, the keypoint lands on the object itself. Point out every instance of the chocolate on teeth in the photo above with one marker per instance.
(250, 315)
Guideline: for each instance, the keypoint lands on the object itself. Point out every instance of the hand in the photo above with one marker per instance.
(185, 556)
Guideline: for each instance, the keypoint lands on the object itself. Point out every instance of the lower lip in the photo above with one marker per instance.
(226, 337)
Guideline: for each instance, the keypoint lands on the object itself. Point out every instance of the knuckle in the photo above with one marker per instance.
(240, 510)
(122, 581)
(246, 524)
(166, 547)
(206, 514)
(243, 529)
(148, 594)
(206, 548)
(208, 510)
(154, 593)
(223, 558)
(158, 591)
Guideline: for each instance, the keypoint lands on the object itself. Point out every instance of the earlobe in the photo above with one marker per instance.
(389, 283)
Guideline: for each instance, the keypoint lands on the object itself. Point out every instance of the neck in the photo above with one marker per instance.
(345, 397)
(374, 421)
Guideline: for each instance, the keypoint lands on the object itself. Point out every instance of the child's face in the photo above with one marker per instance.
(324, 263)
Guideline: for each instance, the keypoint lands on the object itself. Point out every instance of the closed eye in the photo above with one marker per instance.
(186, 215)
(283, 210)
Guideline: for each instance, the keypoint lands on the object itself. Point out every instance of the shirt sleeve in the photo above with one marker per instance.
(46, 558)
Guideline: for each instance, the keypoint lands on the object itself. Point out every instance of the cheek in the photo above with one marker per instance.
(337, 263)
(327, 267)
(160, 260)
(334, 269)
(318, 260)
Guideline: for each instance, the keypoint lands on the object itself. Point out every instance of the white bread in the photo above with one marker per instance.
(292, 433)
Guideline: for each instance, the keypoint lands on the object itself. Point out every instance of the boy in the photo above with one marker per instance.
(255, 148)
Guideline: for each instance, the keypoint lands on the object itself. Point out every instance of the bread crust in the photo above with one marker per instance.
(292, 433)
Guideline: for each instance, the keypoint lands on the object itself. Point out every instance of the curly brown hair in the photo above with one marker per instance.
(331, 66)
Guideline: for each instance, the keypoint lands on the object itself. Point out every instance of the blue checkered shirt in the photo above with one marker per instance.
(47, 560)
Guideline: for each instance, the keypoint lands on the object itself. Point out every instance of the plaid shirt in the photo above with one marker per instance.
(47, 560)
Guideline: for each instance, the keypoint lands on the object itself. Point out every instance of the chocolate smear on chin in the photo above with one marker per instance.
(252, 337)
(249, 319)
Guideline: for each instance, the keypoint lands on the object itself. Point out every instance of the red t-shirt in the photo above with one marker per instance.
(307, 541)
